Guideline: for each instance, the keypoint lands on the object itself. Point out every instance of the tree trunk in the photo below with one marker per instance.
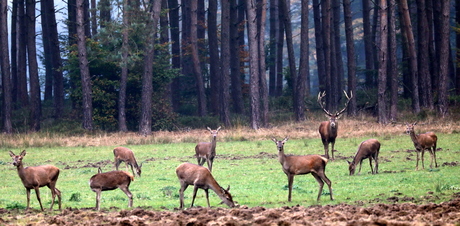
(47, 10)
(303, 81)
(124, 68)
(443, 103)
(351, 62)
(368, 43)
(14, 51)
(23, 96)
(53, 61)
(383, 62)
(35, 98)
(201, 95)
(406, 27)
(326, 32)
(251, 12)
(320, 58)
(93, 13)
(87, 104)
(457, 43)
(175, 52)
(235, 74)
(215, 72)
(145, 122)
(426, 99)
(337, 80)
(5, 68)
(274, 30)
(223, 89)
(280, 53)
(285, 7)
(261, 22)
(392, 64)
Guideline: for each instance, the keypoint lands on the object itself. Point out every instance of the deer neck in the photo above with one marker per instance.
(213, 143)
(414, 137)
(333, 128)
(281, 156)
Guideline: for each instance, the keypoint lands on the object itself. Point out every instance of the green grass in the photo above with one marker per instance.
(250, 168)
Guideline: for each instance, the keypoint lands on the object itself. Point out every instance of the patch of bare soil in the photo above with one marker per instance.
(446, 213)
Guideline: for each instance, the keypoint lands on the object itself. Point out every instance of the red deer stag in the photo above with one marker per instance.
(328, 129)
(303, 164)
(367, 149)
(422, 142)
(123, 154)
(34, 177)
(206, 151)
(110, 181)
(200, 177)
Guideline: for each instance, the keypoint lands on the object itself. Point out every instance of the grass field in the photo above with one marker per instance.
(250, 167)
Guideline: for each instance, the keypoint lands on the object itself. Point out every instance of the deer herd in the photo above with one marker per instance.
(34, 177)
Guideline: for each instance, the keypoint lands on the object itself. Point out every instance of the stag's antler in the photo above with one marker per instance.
(323, 94)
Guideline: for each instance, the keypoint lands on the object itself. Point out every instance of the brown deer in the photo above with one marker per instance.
(206, 151)
(367, 149)
(422, 142)
(123, 154)
(110, 181)
(303, 164)
(200, 177)
(328, 129)
(34, 177)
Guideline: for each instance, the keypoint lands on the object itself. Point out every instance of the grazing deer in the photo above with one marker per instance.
(206, 151)
(34, 177)
(328, 129)
(367, 149)
(303, 164)
(421, 142)
(110, 181)
(200, 177)
(123, 154)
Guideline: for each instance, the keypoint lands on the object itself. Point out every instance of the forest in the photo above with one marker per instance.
(129, 65)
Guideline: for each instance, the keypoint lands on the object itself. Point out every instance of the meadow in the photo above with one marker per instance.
(246, 160)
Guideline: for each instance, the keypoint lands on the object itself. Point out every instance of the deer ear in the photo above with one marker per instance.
(415, 123)
(12, 154)
(286, 139)
(274, 139)
(218, 128)
(99, 170)
(208, 128)
(228, 188)
(348, 162)
(23, 153)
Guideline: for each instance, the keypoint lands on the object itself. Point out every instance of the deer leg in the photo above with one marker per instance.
(290, 182)
(326, 148)
(416, 165)
(37, 192)
(332, 149)
(207, 196)
(58, 193)
(125, 189)
(423, 157)
(53, 195)
(321, 185)
(195, 189)
(376, 159)
(370, 163)
(360, 164)
(434, 156)
(132, 169)
(209, 161)
(183, 186)
(320, 177)
(117, 163)
(98, 199)
(28, 197)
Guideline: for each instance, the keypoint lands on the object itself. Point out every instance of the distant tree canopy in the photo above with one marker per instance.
(150, 63)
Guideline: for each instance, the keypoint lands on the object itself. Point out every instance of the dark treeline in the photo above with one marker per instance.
(131, 65)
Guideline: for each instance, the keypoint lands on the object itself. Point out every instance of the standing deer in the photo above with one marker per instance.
(123, 154)
(206, 151)
(422, 142)
(367, 149)
(111, 181)
(303, 164)
(328, 129)
(34, 177)
(200, 177)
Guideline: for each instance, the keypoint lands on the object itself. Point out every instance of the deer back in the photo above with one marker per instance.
(33, 176)
(304, 164)
(124, 154)
(110, 180)
(203, 148)
(428, 139)
(366, 149)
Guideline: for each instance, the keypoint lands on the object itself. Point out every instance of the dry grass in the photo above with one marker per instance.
(357, 127)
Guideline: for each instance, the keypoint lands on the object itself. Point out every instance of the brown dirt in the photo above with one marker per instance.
(447, 213)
